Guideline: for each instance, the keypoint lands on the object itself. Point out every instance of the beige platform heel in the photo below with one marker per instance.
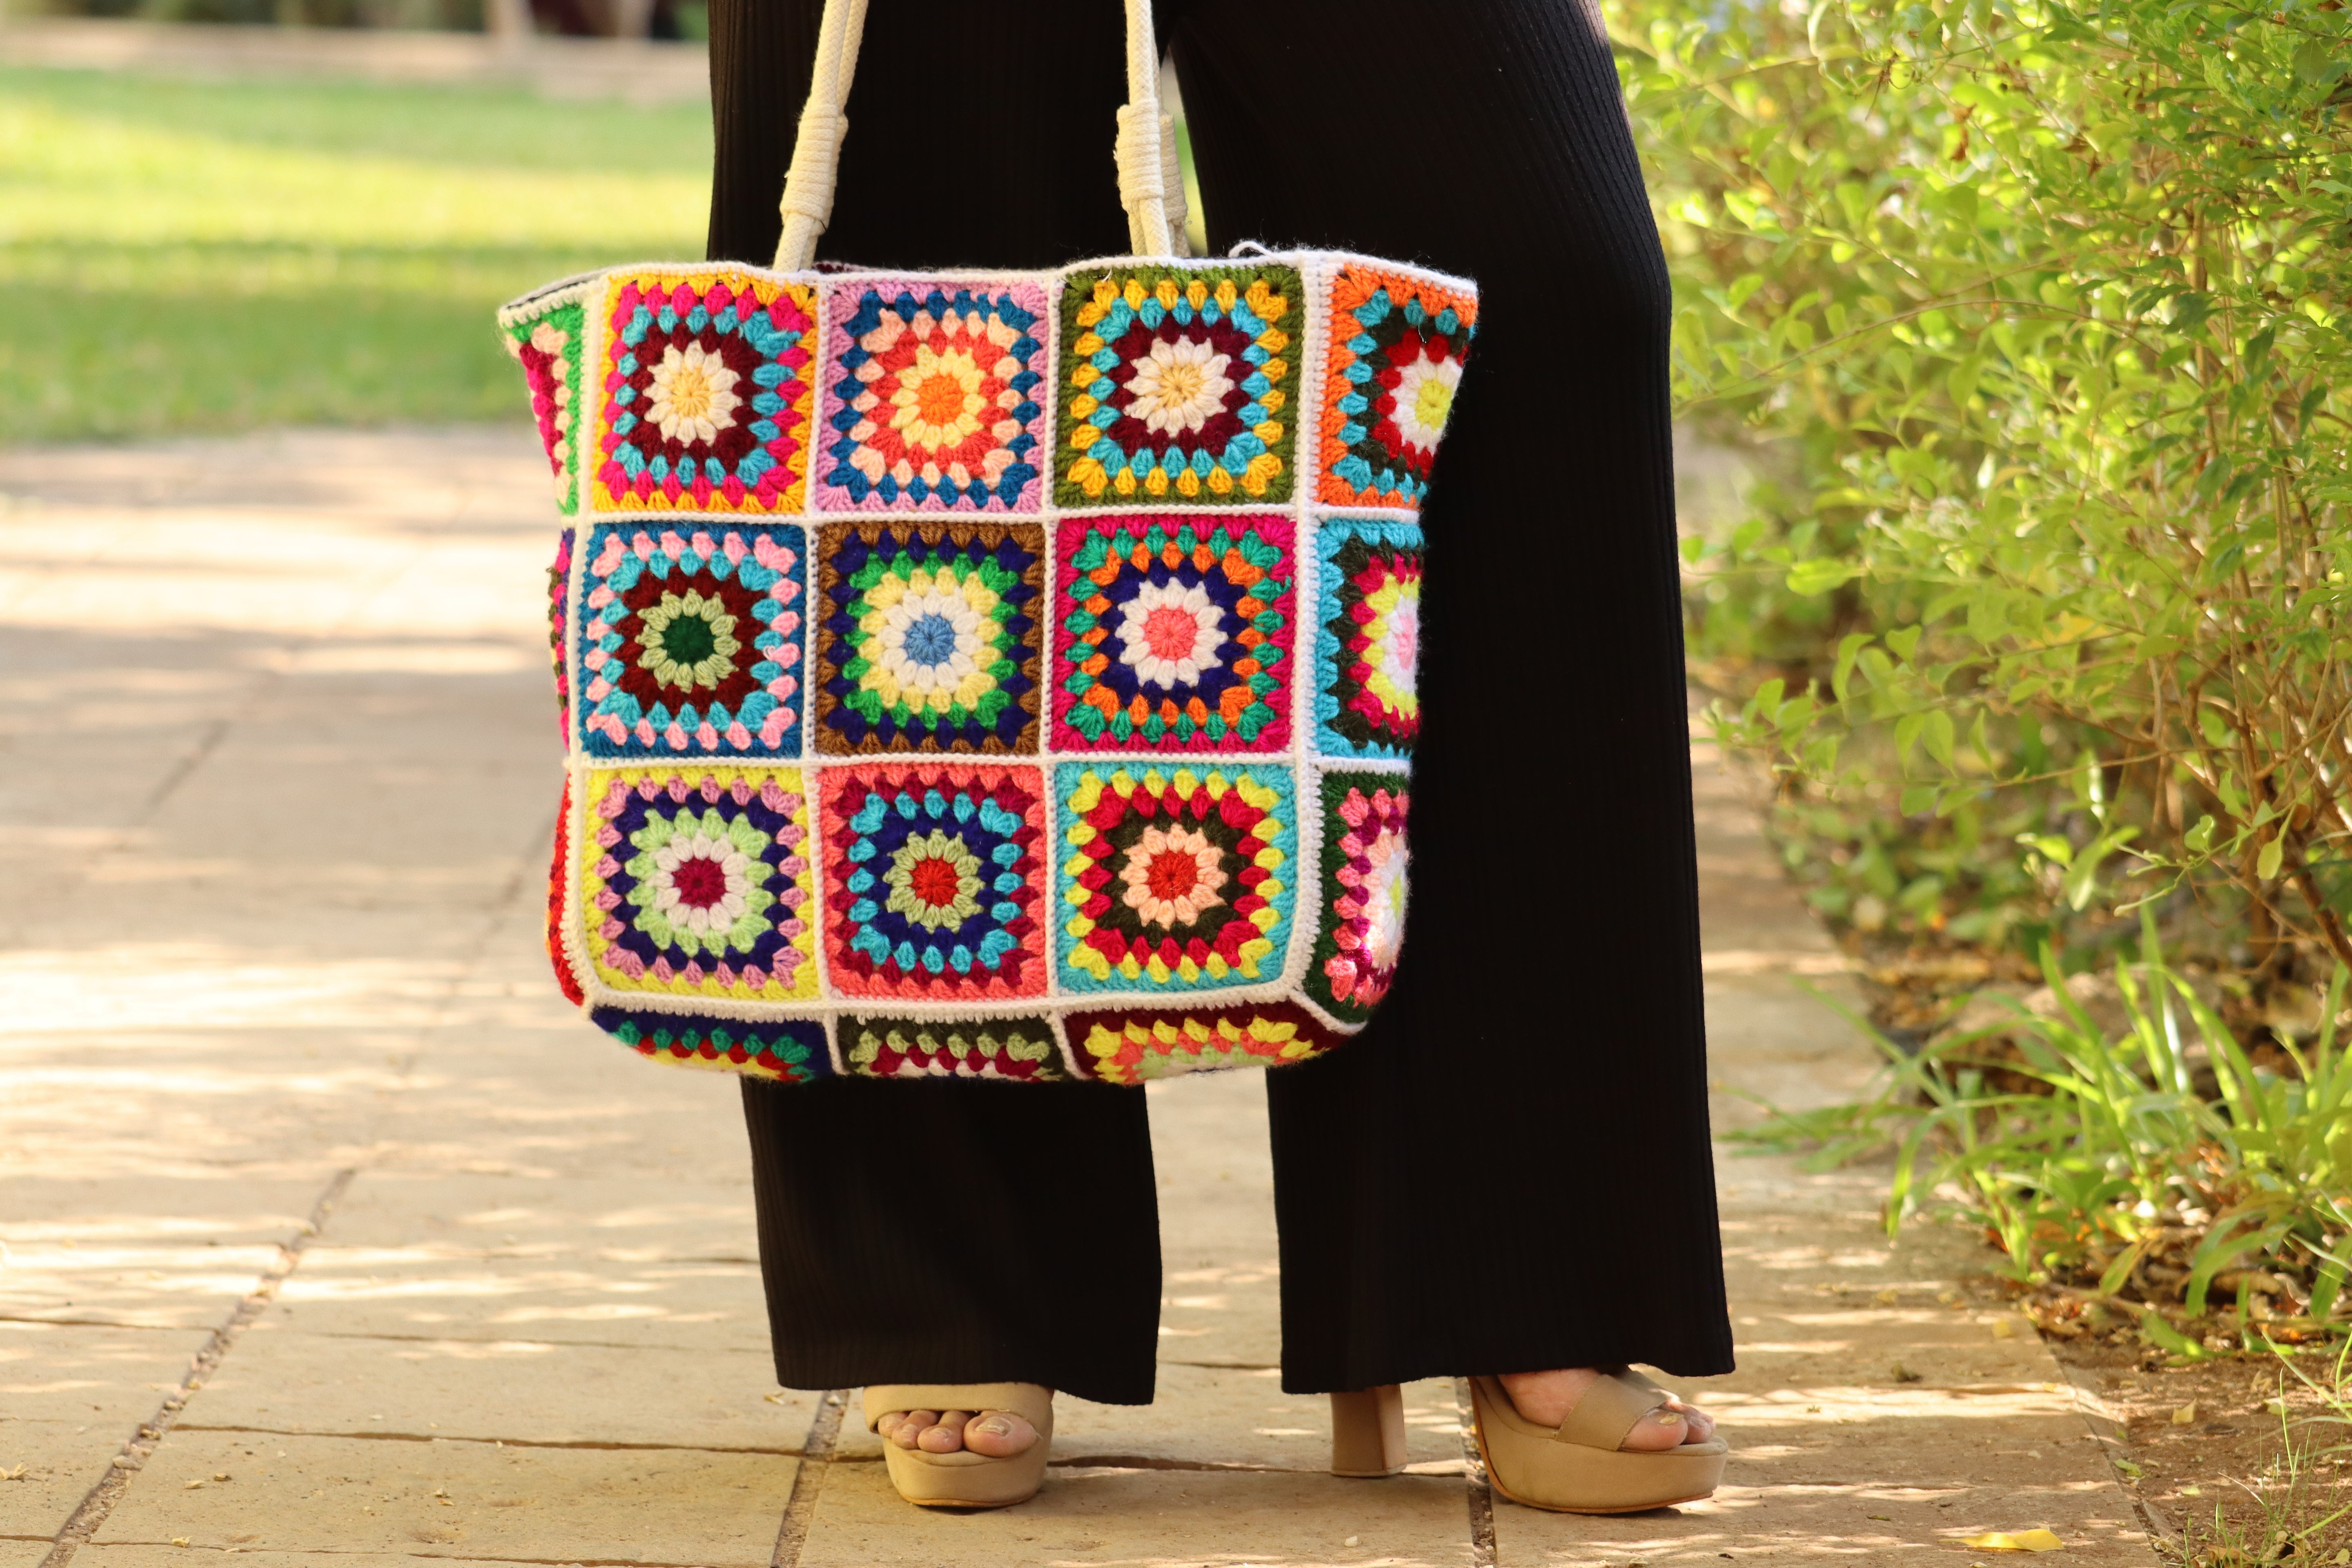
(1580, 1466)
(1368, 1433)
(964, 1478)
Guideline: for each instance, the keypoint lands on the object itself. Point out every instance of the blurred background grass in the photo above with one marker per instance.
(193, 256)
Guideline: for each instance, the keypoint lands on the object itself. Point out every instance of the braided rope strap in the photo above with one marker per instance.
(1150, 180)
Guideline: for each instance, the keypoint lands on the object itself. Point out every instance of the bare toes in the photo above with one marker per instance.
(1697, 1423)
(912, 1425)
(1660, 1429)
(999, 1434)
(948, 1435)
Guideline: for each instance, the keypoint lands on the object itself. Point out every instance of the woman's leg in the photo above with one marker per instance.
(1509, 1170)
(934, 1230)
(942, 1230)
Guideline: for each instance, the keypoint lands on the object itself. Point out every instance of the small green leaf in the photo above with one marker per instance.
(2319, 62)
(1940, 736)
(1850, 646)
(2266, 864)
(1818, 575)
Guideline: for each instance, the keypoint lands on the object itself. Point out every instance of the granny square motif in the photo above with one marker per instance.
(690, 643)
(1360, 924)
(1173, 632)
(1397, 348)
(786, 1050)
(1175, 880)
(933, 876)
(1004, 675)
(1021, 1048)
(934, 397)
(549, 348)
(931, 640)
(1368, 638)
(1177, 383)
(699, 881)
(706, 395)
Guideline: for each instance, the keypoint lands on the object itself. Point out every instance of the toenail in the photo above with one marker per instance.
(1667, 1418)
(996, 1426)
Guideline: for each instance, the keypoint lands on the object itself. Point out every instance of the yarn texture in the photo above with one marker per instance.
(979, 674)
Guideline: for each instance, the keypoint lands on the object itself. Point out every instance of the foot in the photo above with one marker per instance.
(993, 1434)
(1544, 1398)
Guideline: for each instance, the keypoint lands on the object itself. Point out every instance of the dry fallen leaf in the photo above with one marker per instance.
(1885, 1298)
(2186, 1415)
(15, 1474)
(2020, 1541)
(2002, 1328)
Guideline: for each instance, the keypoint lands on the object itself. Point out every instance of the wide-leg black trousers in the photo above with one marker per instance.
(1546, 1009)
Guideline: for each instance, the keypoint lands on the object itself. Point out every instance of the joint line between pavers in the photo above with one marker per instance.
(1476, 1489)
(376, 1435)
(816, 1458)
(100, 1501)
(2112, 1436)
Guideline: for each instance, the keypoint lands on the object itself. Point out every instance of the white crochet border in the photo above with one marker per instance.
(1306, 763)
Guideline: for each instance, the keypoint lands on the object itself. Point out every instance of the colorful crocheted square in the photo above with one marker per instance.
(1397, 348)
(1173, 633)
(559, 610)
(691, 645)
(559, 879)
(786, 1051)
(931, 640)
(708, 394)
(697, 881)
(1175, 384)
(1360, 895)
(1020, 1048)
(1129, 1047)
(934, 879)
(1368, 638)
(933, 397)
(549, 350)
(1174, 880)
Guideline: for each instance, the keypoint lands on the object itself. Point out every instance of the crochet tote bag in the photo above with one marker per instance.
(979, 673)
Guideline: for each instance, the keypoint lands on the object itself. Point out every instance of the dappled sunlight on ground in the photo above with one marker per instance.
(280, 777)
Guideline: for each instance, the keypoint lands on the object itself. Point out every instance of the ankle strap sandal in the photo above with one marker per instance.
(1580, 1466)
(964, 1478)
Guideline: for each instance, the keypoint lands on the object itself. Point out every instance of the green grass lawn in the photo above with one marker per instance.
(206, 256)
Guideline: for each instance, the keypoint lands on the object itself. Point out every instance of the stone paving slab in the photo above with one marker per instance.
(533, 1393)
(332, 1495)
(277, 766)
(1150, 1518)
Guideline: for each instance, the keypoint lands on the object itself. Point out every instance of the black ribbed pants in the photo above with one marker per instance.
(1546, 1010)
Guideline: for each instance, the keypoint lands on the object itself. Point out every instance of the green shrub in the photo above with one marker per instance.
(2034, 317)
(2155, 1173)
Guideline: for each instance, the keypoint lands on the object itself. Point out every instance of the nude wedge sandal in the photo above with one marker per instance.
(1580, 1466)
(964, 1478)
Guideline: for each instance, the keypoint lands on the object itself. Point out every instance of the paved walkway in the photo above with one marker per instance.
(331, 1234)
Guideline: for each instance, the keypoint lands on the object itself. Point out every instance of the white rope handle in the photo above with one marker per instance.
(1150, 181)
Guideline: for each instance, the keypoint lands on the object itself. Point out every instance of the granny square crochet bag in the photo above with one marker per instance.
(991, 674)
